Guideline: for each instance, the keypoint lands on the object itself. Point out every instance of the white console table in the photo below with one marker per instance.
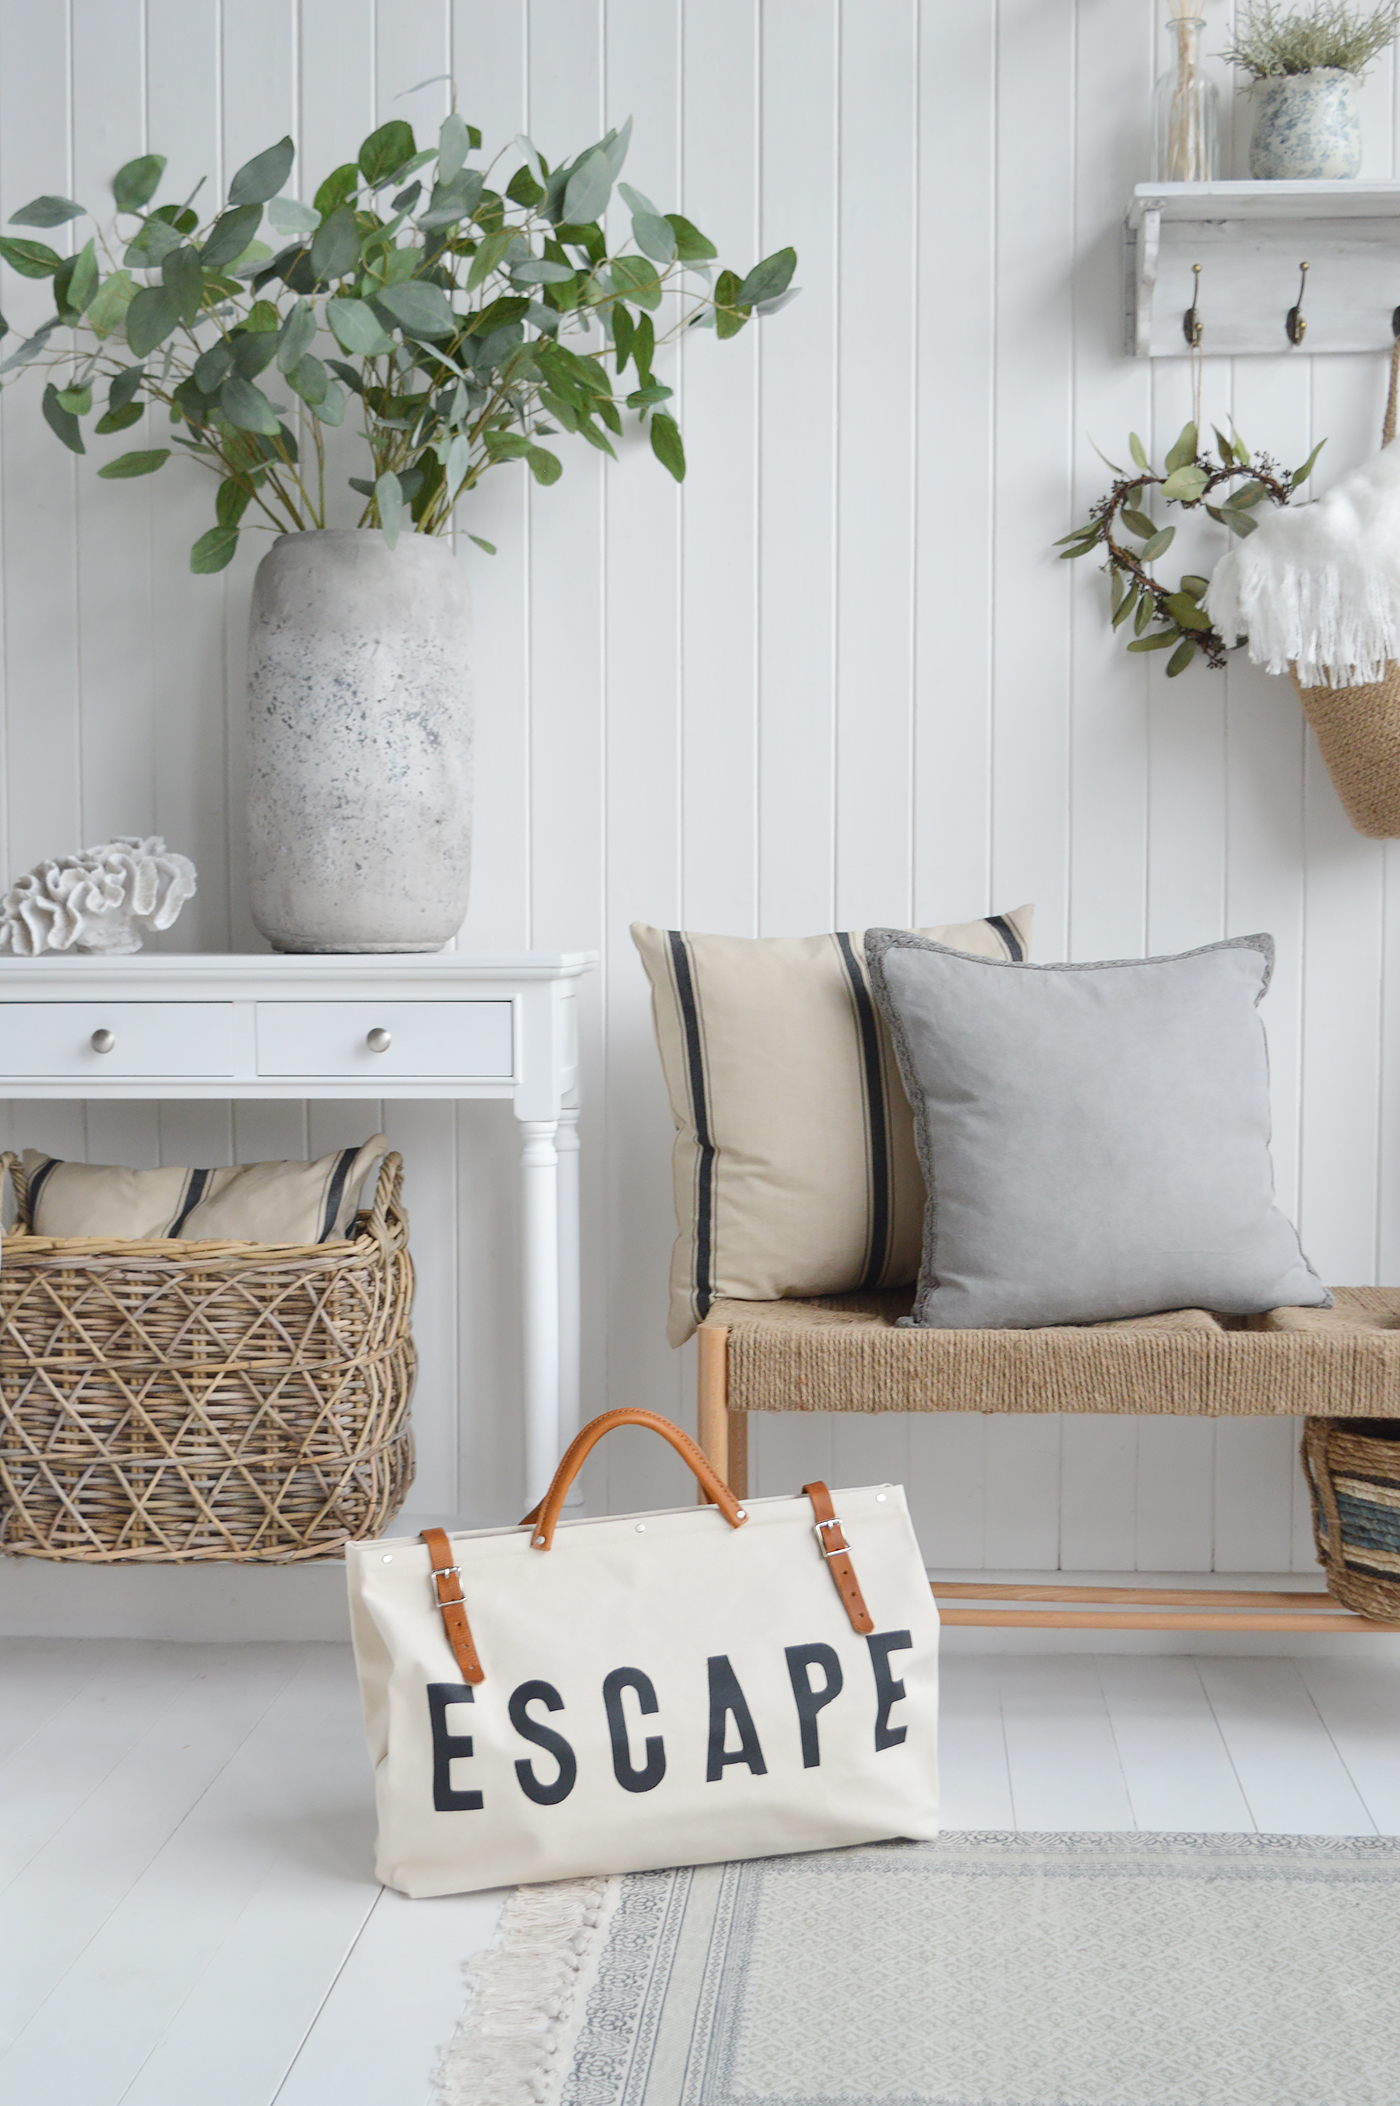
(443, 1025)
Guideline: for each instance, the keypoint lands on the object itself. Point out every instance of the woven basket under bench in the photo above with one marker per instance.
(186, 1402)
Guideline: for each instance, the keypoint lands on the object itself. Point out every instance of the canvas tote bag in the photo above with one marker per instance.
(614, 1695)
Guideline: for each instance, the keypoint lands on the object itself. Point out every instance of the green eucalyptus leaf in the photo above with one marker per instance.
(184, 281)
(654, 236)
(615, 148)
(108, 307)
(128, 465)
(540, 271)
(357, 328)
(1184, 450)
(1138, 523)
(1300, 475)
(383, 154)
(231, 503)
(1240, 523)
(340, 186)
(691, 245)
(455, 467)
(388, 496)
(214, 550)
(729, 320)
(622, 335)
(767, 279)
(1159, 544)
(126, 387)
(229, 236)
(1181, 657)
(1138, 451)
(454, 144)
(522, 189)
(62, 421)
(420, 309)
(119, 419)
(1185, 484)
(246, 406)
(1195, 585)
(309, 378)
(636, 280)
(81, 281)
(288, 215)
(262, 316)
(637, 201)
(1157, 642)
(150, 319)
(262, 177)
(253, 351)
(348, 374)
(489, 546)
(1184, 610)
(335, 246)
(151, 245)
(32, 259)
(588, 189)
(1082, 548)
(489, 254)
(296, 335)
(1147, 607)
(546, 467)
(1242, 454)
(666, 444)
(135, 184)
(1223, 447)
(1126, 606)
(77, 401)
(47, 212)
(1251, 494)
(1118, 586)
(331, 407)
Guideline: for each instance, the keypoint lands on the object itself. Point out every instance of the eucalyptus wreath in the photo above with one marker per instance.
(450, 302)
(1193, 480)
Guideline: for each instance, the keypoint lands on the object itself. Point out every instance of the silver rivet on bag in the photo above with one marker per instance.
(641, 1528)
(388, 1557)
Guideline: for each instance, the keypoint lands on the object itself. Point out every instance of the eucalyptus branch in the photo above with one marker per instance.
(458, 315)
(1190, 479)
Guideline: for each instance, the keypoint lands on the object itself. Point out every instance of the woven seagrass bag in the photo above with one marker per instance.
(1358, 728)
(1353, 1472)
(172, 1401)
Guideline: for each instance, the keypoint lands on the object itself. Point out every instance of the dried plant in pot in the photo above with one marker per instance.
(463, 320)
(1305, 66)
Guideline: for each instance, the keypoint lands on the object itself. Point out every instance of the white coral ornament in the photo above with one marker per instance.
(98, 901)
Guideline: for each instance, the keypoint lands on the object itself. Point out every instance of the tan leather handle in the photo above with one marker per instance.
(545, 1516)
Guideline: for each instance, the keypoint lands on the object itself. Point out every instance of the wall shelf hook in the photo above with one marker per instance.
(1296, 322)
(1192, 327)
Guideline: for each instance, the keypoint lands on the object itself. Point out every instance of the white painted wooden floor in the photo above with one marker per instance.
(186, 1905)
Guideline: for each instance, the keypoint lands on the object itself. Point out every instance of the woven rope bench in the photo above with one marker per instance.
(847, 1353)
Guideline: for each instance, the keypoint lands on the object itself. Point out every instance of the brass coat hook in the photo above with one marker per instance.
(1296, 322)
(1192, 327)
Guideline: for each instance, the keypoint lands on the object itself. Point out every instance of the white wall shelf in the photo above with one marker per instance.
(1250, 239)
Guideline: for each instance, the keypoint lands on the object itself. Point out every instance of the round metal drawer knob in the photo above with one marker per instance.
(103, 1041)
(378, 1040)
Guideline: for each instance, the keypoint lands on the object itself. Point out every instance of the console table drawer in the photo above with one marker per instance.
(437, 1040)
(142, 1038)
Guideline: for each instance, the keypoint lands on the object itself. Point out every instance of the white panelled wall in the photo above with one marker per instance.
(840, 678)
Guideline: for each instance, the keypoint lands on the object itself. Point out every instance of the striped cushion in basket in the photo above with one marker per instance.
(794, 1166)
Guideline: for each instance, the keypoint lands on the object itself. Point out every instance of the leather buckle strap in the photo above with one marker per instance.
(837, 1552)
(453, 1605)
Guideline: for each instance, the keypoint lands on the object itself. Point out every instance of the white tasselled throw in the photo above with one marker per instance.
(1318, 586)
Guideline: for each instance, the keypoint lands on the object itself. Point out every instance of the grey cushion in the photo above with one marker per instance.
(1094, 1138)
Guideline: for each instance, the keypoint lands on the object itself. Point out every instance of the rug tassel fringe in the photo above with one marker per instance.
(510, 2048)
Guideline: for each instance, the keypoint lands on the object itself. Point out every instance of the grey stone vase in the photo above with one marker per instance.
(1307, 127)
(359, 743)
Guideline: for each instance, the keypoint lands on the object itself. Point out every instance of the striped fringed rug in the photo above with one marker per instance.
(980, 1970)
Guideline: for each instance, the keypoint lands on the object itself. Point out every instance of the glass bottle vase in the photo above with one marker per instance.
(1186, 113)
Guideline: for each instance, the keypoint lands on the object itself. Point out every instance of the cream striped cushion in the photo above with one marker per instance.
(795, 1171)
(288, 1203)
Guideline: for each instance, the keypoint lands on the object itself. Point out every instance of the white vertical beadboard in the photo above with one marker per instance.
(840, 677)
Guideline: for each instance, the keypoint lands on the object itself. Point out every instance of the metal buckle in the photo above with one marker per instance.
(447, 1572)
(834, 1522)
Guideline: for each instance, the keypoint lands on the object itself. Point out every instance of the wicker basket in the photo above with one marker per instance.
(1353, 1471)
(183, 1402)
(1358, 728)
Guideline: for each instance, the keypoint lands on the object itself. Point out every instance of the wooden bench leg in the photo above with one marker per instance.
(723, 1434)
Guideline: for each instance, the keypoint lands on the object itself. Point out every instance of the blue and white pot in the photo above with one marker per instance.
(1307, 127)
